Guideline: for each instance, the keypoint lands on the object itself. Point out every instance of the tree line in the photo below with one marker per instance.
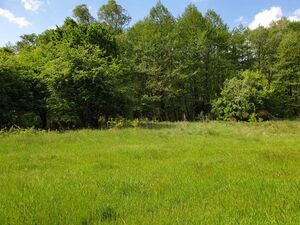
(91, 70)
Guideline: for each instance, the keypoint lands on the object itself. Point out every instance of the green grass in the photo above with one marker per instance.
(183, 173)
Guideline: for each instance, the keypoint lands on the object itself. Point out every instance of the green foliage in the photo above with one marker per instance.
(18, 105)
(241, 97)
(148, 50)
(287, 81)
(82, 14)
(84, 84)
(114, 15)
(162, 68)
(241, 50)
(27, 41)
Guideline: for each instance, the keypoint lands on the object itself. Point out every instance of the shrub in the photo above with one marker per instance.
(241, 98)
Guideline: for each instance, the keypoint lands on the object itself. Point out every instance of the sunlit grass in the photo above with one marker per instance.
(180, 173)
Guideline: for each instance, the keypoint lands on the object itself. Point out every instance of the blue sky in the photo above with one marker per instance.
(19, 17)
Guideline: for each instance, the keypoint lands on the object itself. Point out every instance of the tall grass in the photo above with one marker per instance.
(181, 173)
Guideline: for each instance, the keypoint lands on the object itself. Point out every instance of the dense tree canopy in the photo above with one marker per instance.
(89, 71)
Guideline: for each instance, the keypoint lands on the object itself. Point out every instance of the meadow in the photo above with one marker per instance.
(170, 173)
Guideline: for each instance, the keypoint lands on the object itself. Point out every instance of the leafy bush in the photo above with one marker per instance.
(242, 97)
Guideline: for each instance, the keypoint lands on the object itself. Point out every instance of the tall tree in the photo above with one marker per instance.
(27, 41)
(17, 92)
(82, 75)
(82, 14)
(217, 63)
(114, 15)
(151, 51)
(241, 50)
(190, 31)
(288, 77)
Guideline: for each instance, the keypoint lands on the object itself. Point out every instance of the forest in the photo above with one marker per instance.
(163, 68)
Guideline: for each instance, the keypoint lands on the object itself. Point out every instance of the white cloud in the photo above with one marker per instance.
(240, 20)
(266, 17)
(297, 12)
(31, 5)
(295, 16)
(20, 21)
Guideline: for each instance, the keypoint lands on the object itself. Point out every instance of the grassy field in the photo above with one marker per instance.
(181, 173)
